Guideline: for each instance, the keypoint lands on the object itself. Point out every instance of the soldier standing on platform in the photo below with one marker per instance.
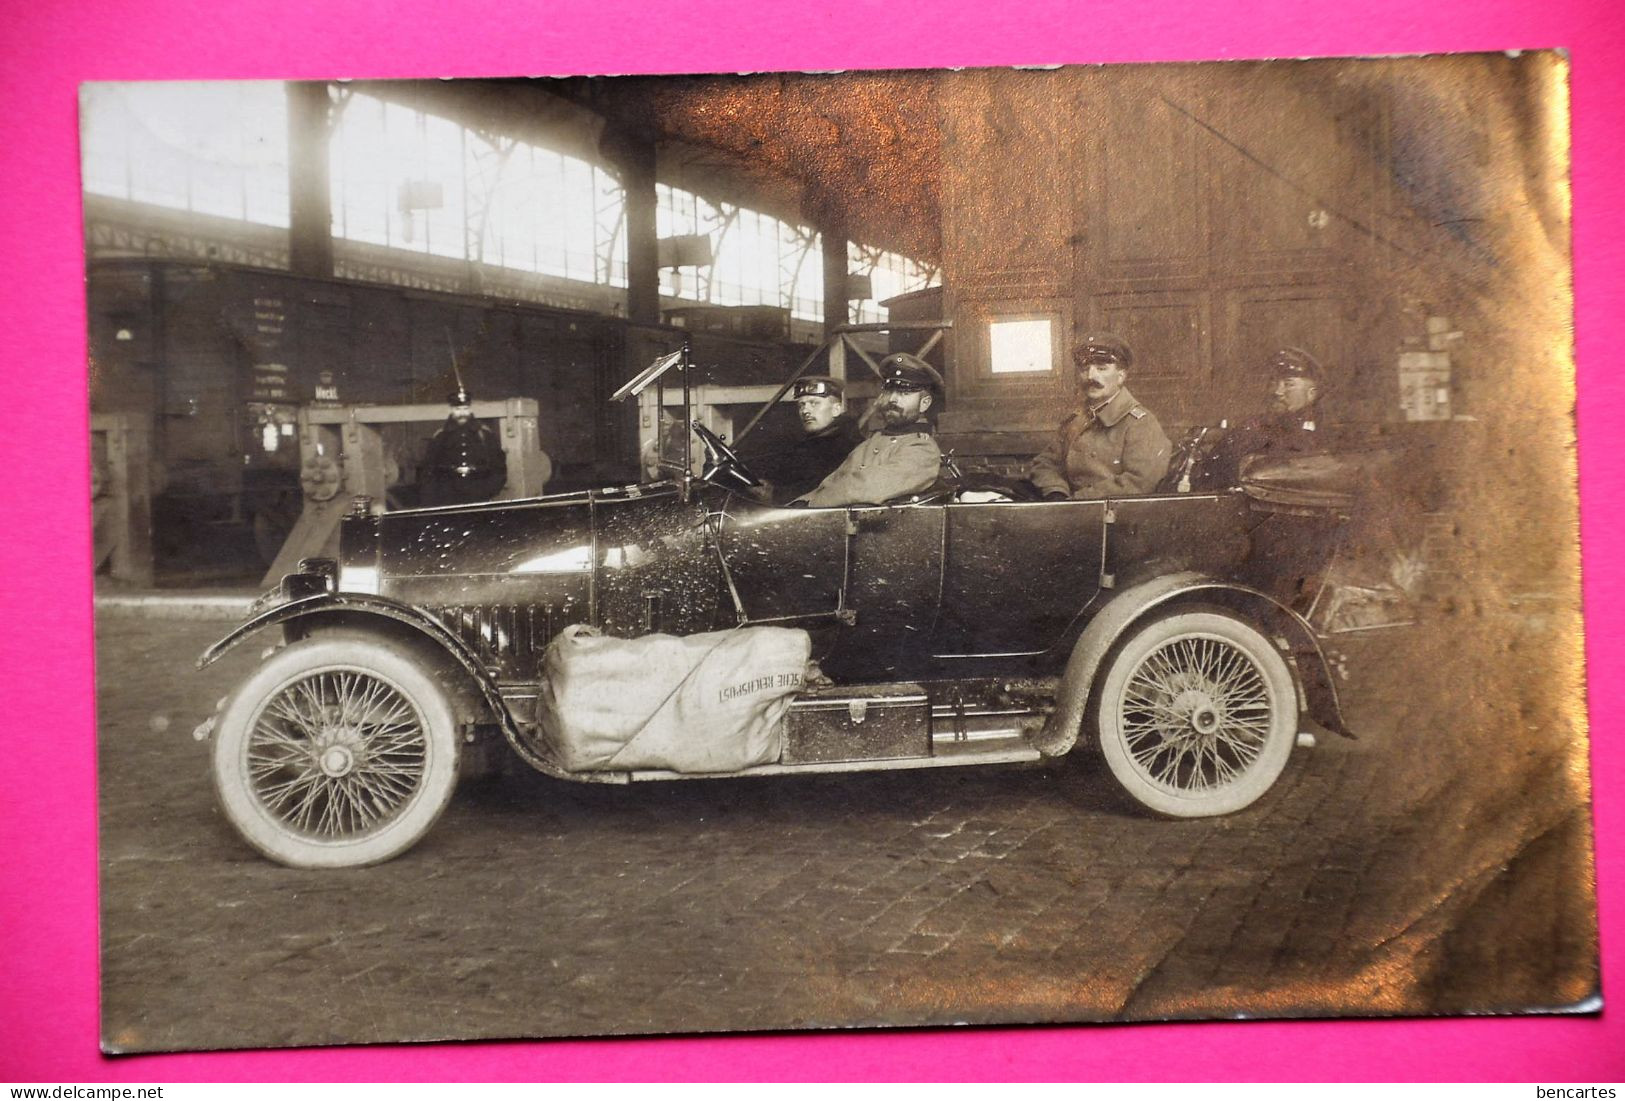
(465, 462)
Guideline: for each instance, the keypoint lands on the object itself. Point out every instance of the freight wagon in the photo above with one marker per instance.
(216, 359)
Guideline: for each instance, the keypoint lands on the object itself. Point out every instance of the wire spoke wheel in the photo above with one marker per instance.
(337, 753)
(1196, 714)
(340, 750)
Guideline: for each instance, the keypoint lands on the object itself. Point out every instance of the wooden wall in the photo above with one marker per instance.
(1207, 214)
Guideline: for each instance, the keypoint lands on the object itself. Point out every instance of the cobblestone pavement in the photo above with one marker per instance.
(1436, 864)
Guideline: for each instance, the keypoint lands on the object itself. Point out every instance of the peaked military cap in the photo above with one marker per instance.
(459, 396)
(902, 371)
(1100, 347)
(1296, 363)
(819, 386)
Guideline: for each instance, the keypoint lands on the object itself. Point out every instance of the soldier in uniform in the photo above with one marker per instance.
(829, 435)
(1283, 559)
(1295, 397)
(899, 458)
(1113, 445)
(1290, 427)
(465, 462)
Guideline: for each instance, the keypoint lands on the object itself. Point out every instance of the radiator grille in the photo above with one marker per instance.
(499, 630)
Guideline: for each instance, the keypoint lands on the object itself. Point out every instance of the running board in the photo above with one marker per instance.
(946, 756)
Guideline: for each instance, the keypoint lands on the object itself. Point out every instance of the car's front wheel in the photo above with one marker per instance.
(1196, 714)
(341, 750)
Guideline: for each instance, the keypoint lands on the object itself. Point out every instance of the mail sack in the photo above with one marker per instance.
(703, 703)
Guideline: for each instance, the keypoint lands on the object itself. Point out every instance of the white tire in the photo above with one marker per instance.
(339, 751)
(1196, 714)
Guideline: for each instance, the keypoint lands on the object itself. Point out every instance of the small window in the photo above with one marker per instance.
(1021, 347)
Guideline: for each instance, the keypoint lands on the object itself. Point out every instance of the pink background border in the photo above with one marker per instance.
(48, 1015)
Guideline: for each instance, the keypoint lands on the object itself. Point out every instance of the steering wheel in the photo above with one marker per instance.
(723, 465)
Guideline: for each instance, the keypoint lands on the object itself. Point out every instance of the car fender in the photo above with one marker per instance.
(1132, 605)
(359, 607)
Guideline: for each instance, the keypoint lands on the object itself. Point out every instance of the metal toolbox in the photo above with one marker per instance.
(859, 724)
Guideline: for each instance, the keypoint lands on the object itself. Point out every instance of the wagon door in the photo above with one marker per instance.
(1015, 574)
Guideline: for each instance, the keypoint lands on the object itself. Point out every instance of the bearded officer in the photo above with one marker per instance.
(901, 457)
(1111, 447)
(465, 462)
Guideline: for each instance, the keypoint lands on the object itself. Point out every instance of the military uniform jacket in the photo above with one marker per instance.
(465, 463)
(1116, 449)
(893, 462)
(800, 467)
(1277, 434)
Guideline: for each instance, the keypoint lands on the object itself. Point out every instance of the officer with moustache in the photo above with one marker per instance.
(1113, 446)
(901, 457)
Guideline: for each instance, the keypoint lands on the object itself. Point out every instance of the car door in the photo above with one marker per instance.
(783, 565)
(871, 574)
(1016, 574)
(894, 586)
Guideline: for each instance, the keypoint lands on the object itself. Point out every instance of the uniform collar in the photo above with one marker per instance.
(918, 425)
(1114, 410)
(1303, 419)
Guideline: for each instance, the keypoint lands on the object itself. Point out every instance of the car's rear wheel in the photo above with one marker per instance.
(341, 750)
(1196, 714)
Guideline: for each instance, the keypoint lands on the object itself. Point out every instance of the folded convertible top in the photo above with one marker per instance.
(1317, 480)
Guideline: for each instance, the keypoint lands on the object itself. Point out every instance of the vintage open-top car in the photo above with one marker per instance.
(1162, 631)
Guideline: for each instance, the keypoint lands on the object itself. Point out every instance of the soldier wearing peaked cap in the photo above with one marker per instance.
(829, 433)
(1289, 427)
(1295, 390)
(901, 457)
(465, 462)
(1113, 445)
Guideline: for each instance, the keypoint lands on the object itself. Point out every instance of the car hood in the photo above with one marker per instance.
(630, 559)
